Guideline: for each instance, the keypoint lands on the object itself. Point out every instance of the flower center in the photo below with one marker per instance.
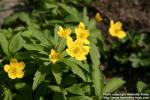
(13, 70)
(55, 56)
(76, 50)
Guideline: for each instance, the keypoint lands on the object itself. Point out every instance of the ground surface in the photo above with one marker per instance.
(135, 13)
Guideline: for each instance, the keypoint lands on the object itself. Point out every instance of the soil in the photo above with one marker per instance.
(134, 13)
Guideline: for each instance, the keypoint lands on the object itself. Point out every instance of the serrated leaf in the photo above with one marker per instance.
(39, 77)
(57, 72)
(55, 88)
(81, 64)
(25, 18)
(36, 47)
(41, 37)
(56, 37)
(71, 10)
(75, 68)
(94, 54)
(113, 84)
(4, 44)
(16, 43)
(75, 89)
(61, 45)
(49, 5)
(97, 78)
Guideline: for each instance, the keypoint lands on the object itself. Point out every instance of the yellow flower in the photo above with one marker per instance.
(98, 17)
(76, 49)
(64, 33)
(15, 69)
(82, 33)
(54, 56)
(116, 30)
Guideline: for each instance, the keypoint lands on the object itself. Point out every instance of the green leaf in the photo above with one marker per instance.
(85, 17)
(16, 43)
(61, 45)
(59, 96)
(56, 36)
(49, 5)
(19, 85)
(86, 89)
(81, 64)
(71, 10)
(79, 98)
(69, 79)
(75, 89)
(10, 19)
(141, 86)
(25, 18)
(24, 91)
(39, 77)
(27, 33)
(42, 91)
(75, 68)
(135, 61)
(36, 47)
(94, 54)
(97, 78)
(4, 44)
(49, 36)
(57, 72)
(113, 85)
(8, 95)
(55, 88)
(41, 37)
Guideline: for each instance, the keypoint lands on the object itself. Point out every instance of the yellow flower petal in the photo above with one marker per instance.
(64, 33)
(121, 34)
(112, 32)
(86, 49)
(53, 51)
(81, 25)
(86, 41)
(116, 30)
(69, 41)
(12, 75)
(118, 25)
(98, 17)
(80, 57)
(68, 31)
(82, 33)
(54, 60)
(61, 28)
(21, 65)
(54, 56)
(13, 62)
(70, 52)
(111, 23)
(6, 68)
(19, 74)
